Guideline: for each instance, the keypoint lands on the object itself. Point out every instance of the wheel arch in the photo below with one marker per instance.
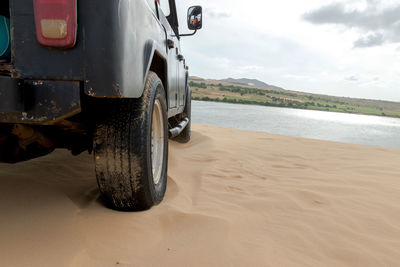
(158, 64)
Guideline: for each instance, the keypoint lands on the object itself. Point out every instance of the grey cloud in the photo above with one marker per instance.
(374, 39)
(328, 14)
(351, 78)
(377, 25)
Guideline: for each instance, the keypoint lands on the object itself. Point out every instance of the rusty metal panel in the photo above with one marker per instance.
(37, 102)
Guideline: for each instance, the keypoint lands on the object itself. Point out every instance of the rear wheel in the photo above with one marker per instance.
(131, 150)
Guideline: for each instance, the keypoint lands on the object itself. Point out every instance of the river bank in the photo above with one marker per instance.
(235, 94)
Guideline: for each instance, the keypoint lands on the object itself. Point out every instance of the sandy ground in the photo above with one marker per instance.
(234, 198)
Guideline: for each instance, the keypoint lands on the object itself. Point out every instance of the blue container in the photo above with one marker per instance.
(5, 39)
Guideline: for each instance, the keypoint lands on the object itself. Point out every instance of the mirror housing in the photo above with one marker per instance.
(195, 18)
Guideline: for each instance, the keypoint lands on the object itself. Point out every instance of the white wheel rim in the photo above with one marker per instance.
(157, 141)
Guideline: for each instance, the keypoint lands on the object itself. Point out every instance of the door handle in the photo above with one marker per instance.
(170, 43)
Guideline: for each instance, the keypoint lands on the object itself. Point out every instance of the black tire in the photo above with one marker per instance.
(123, 150)
(184, 136)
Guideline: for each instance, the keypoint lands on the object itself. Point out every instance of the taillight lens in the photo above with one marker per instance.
(56, 22)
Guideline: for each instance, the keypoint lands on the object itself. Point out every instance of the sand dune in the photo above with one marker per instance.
(234, 198)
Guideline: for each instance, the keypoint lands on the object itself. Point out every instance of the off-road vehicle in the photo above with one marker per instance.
(104, 76)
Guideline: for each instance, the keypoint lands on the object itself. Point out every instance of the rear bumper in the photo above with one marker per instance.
(37, 102)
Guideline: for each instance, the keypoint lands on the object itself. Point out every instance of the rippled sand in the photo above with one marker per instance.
(234, 198)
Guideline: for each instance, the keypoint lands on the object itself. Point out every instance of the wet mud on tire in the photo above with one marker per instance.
(123, 150)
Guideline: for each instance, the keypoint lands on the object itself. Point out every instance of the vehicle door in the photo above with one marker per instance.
(181, 87)
(166, 16)
(181, 79)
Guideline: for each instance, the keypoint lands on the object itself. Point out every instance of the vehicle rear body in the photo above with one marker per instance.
(105, 76)
(116, 42)
(69, 55)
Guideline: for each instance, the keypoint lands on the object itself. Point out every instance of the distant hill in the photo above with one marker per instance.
(250, 82)
(198, 79)
(251, 91)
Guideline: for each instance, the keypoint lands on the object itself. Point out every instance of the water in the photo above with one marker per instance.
(331, 126)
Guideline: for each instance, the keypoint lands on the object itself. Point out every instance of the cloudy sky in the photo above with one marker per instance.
(337, 47)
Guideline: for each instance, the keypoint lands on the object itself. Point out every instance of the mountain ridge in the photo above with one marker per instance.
(251, 82)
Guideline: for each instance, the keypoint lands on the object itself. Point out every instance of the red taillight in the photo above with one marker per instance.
(56, 22)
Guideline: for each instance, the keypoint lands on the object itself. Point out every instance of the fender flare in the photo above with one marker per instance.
(150, 51)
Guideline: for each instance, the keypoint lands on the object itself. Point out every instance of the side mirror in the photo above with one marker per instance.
(195, 18)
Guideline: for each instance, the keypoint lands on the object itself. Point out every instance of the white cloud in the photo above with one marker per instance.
(216, 14)
(300, 77)
(270, 41)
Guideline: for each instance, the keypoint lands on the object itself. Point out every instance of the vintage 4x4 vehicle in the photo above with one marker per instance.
(105, 76)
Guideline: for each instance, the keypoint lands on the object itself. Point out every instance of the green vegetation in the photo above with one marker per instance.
(229, 93)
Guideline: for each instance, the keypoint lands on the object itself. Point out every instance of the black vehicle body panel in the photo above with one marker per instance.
(116, 43)
(32, 61)
(38, 102)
